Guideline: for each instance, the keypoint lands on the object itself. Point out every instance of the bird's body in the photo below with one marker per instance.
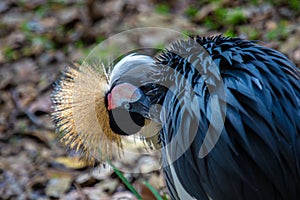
(257, 153)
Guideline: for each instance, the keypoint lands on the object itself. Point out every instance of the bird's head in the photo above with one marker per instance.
(128, 108)
(94, 112)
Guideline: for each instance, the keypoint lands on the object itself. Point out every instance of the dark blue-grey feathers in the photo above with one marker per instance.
(258, 153)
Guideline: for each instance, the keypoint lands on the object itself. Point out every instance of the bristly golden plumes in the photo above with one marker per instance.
(80, 114)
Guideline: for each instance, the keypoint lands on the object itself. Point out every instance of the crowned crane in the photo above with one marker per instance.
(256, 154)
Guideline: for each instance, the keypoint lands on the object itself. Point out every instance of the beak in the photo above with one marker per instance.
(141, 106)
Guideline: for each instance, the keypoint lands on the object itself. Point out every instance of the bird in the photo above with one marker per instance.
(226, 112)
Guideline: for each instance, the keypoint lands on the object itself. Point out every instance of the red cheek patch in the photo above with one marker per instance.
(124, 92)
(110, 103)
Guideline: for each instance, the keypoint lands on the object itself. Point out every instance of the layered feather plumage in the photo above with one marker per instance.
(258, 153)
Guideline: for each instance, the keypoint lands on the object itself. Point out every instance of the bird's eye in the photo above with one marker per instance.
(126, 105)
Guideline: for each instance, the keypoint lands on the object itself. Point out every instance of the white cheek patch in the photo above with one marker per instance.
(124, 92)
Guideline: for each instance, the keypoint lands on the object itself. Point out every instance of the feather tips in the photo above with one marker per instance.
(261, 135)
(80, 114)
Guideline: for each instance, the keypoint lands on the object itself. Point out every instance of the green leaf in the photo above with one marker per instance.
(191, 11)
(235, 16)
(124, 180)
(162, 8)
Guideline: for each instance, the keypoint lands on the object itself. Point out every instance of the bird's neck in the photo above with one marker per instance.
(156, 94)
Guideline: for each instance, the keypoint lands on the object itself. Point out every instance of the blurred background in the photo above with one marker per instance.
(38, 38)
